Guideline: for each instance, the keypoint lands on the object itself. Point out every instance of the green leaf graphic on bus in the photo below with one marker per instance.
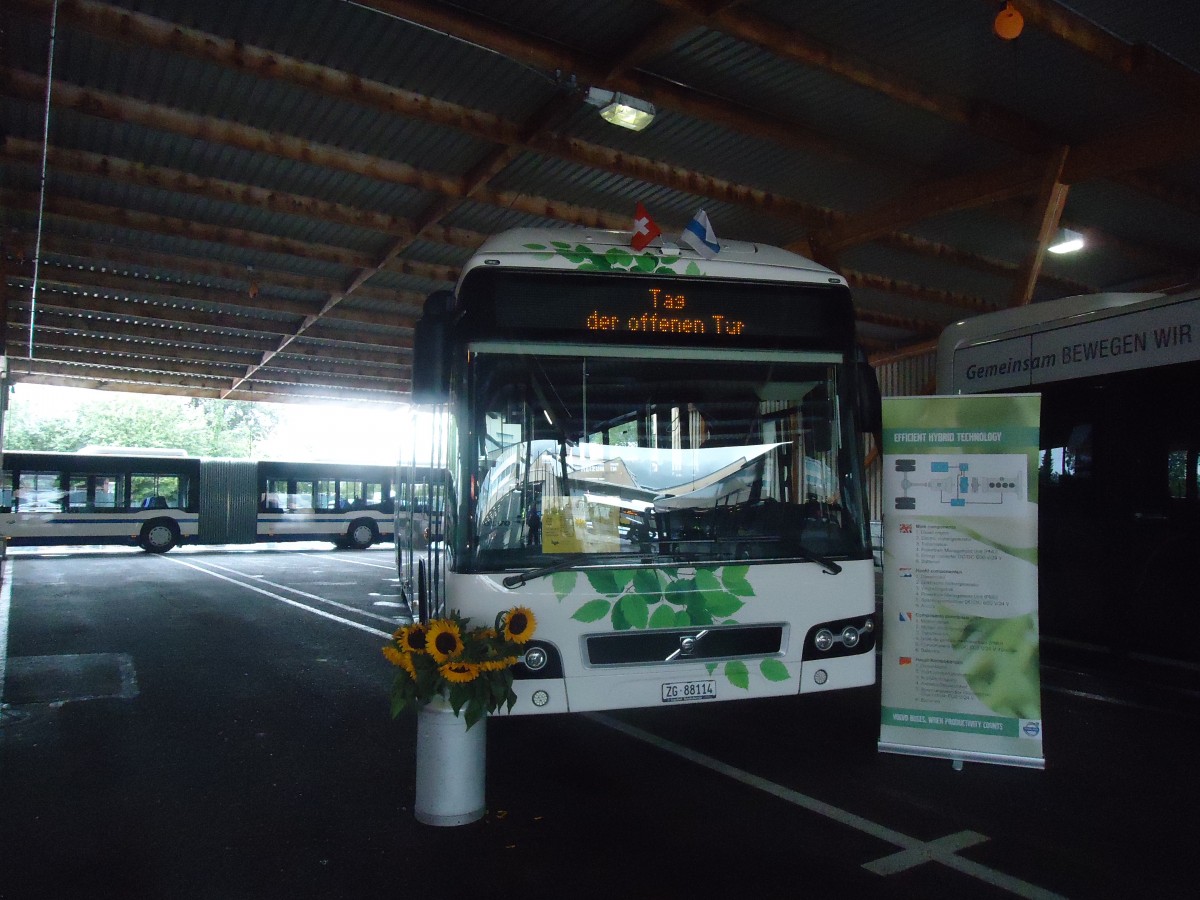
(614, 259)
(640, 599)
(773, 670)
(592, 611)
(564, 583)
(738, 674)
(660, 598)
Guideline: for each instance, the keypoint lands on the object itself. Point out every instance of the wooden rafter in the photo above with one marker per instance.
(1052, 197)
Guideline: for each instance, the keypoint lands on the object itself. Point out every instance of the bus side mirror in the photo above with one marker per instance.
(870, 403)
(431, 363)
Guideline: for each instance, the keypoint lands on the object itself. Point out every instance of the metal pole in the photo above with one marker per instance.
(37, 250)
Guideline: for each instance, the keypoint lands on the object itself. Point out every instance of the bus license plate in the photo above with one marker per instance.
(673, 691)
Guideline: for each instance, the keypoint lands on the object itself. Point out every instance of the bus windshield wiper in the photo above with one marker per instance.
(826, 564)
(563, 565)
(566, 565)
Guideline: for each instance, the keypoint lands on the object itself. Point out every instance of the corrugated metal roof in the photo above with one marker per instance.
(253, 177)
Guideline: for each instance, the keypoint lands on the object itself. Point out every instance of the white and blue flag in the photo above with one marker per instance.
(699, 236)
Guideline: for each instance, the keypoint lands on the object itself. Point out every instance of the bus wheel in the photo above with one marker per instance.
(361, 534)
(159, 536)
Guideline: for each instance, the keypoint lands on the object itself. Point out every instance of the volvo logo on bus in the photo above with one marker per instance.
(688, 644)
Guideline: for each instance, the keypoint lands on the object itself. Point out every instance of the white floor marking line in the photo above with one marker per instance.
(906, 859)
(5, 606)
(912, 851)
(325, 557)
(391, 620)
(316, 612)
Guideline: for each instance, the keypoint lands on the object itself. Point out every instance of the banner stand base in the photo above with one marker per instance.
(958, 757)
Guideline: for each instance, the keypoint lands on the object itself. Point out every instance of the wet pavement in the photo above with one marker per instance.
(214, 724)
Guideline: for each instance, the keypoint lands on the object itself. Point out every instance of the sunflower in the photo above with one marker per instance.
(519, 624)
(498, 665)
(460, 672)
(444, 640)
(401, 660)
(412, 638)
(393, 655)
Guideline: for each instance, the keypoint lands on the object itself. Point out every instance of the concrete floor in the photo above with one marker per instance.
(185, 726)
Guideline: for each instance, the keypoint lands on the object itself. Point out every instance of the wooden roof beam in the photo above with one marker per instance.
(143, 312)
(988, 120)
(90, 102)
(1143, 62)
(117, 257)
(163, 291)
(1052, 197)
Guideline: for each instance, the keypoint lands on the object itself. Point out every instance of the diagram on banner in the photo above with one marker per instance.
(961, 482)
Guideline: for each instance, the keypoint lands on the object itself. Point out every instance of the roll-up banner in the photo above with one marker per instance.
(960, 590)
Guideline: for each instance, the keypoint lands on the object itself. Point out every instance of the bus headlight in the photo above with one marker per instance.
(841, 637)
(535, 658)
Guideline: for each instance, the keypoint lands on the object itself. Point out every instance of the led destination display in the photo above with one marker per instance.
(641, 310)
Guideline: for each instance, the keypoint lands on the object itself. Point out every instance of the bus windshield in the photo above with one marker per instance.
(709, 457)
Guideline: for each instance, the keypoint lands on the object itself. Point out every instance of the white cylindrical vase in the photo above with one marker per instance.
(451, 763)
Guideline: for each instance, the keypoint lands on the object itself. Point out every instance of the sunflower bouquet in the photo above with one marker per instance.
(470, 667)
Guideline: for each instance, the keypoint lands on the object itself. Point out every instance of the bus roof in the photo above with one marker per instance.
(579, 248)
(1042, 327)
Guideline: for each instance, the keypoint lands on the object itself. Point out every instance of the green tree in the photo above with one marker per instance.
(230, 428)
(202, 427)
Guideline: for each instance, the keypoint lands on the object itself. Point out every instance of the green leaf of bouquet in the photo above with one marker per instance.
(738, 674)
(564, 583)
(735, 581)
(706, 580)
(662, 617)
(682, 619)
(646, 263)
(721, 603)
(773, 670)
(692, 269)
(635, 609)
(604, 581)
(592, 611)
(474, 714)
(619, 622)
(499, 690)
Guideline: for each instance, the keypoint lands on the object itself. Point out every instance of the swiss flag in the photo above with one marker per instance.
(644, 229)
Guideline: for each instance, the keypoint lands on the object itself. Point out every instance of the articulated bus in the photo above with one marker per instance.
(157, 502)
(1118, 505)
(660, 455)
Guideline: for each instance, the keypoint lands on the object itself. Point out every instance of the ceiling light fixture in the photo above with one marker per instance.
(622, 109)
(1067, 241)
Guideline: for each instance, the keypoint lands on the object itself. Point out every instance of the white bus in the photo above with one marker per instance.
(159, 501)
(1119, 510)
(661, 456)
